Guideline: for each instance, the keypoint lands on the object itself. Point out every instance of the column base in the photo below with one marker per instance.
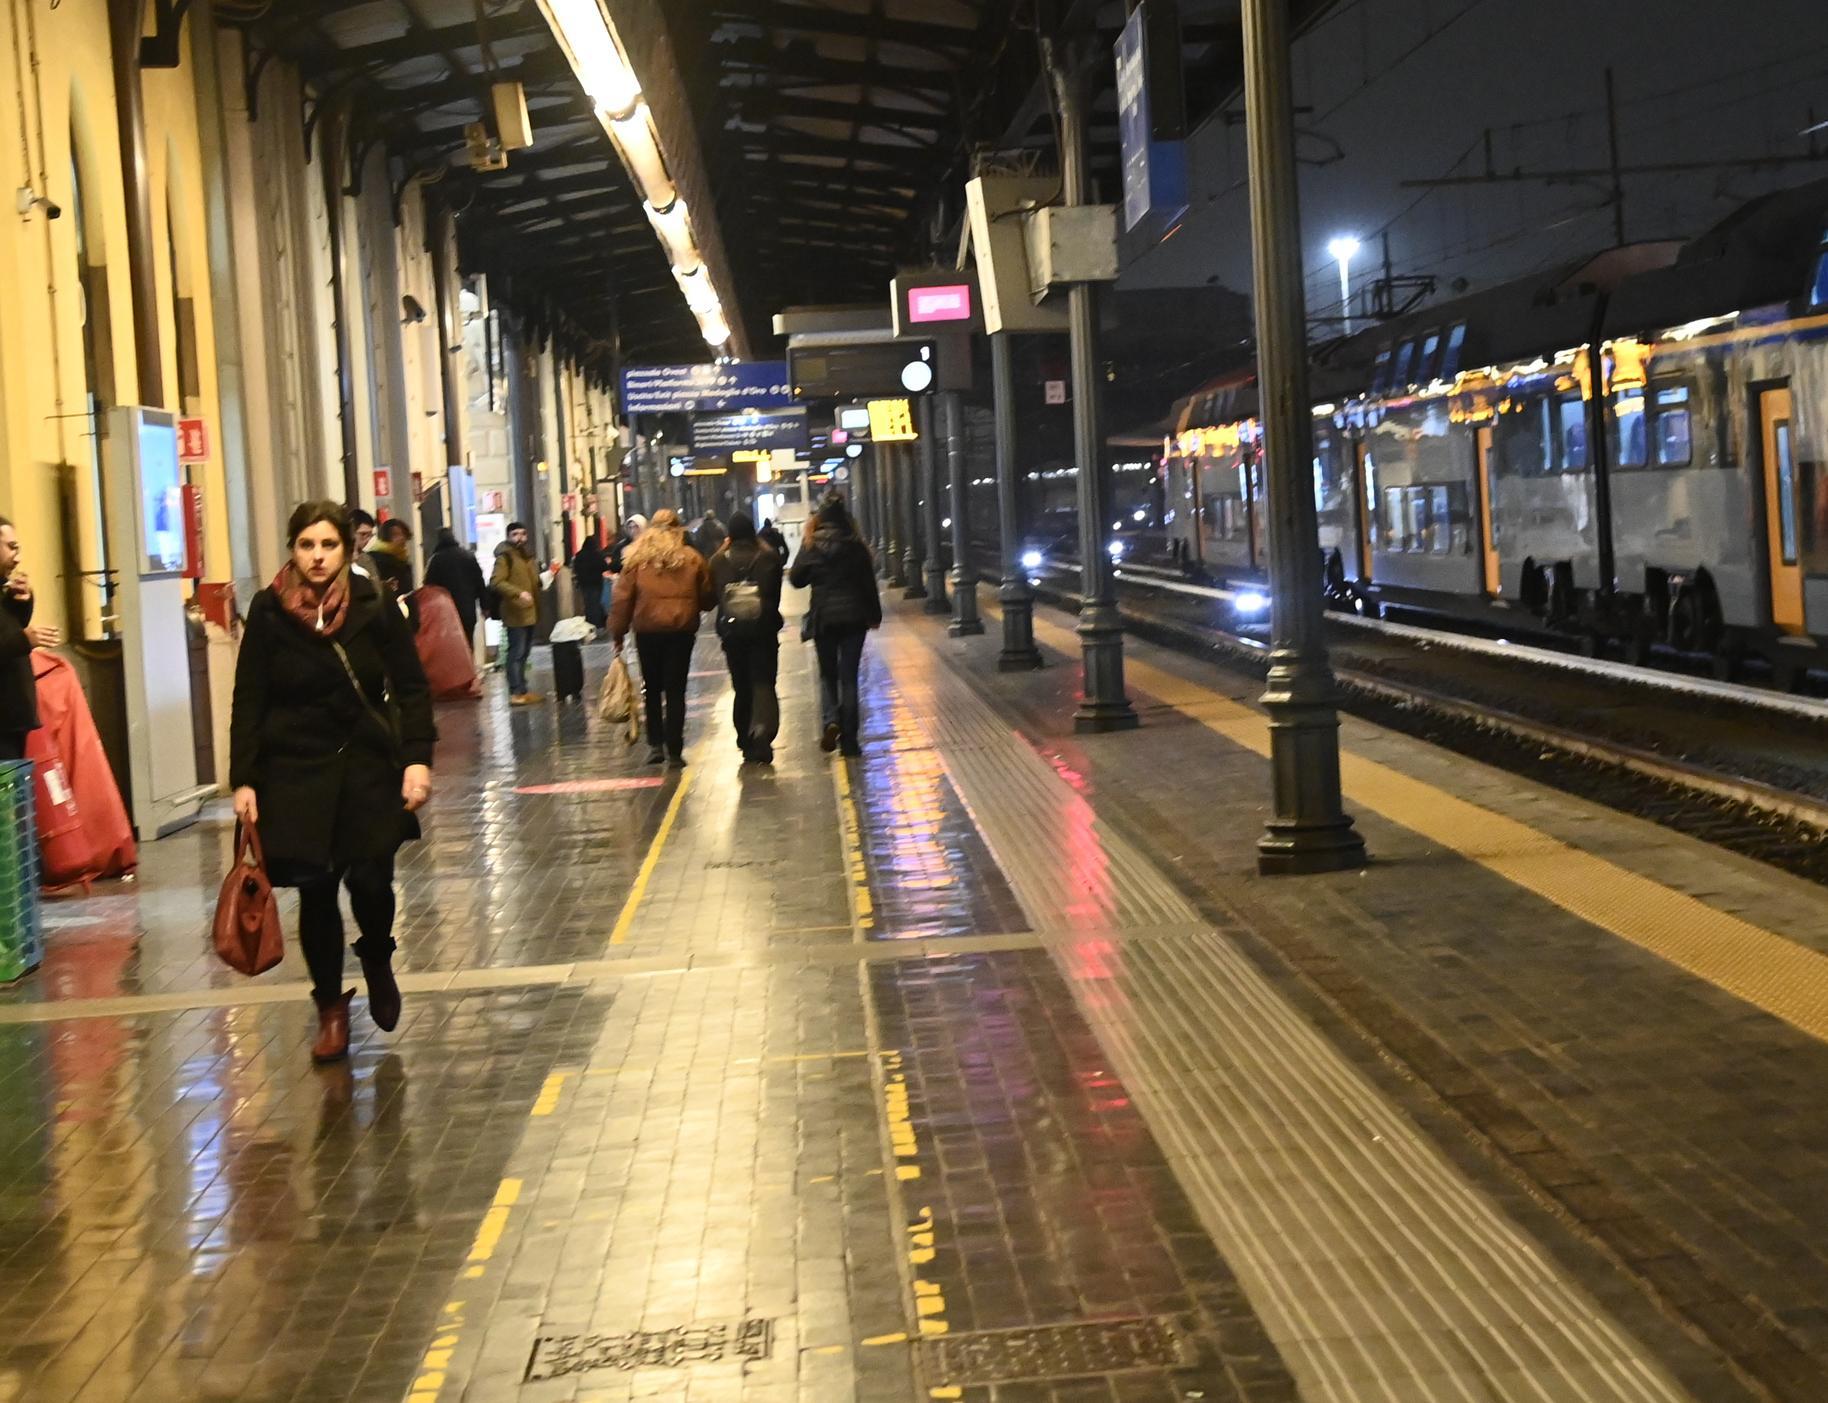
(1098, 717)
(937, 602)
(914, 591)
(1015, 660)
(965, 628)
(1290, 850)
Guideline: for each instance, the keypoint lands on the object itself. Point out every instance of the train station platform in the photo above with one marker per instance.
(984, 1067)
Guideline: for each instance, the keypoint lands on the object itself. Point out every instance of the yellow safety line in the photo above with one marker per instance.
(850, 833)
(626, 921)
(1783, 978)
(435, 1364)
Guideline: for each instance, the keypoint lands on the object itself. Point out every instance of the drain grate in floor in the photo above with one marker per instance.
(1055, 1351)
(708, 1342)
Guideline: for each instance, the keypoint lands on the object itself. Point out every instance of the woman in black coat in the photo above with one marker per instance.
(316, 763)
(845, 606)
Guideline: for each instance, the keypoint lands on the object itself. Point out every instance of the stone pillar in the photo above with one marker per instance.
(1015, 594)
(934, 571)
(965, 620)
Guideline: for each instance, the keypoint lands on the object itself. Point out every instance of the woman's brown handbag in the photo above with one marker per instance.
(248, 937)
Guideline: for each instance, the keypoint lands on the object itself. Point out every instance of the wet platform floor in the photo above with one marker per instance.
(979, 1068)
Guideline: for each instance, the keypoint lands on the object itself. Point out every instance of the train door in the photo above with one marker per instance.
(1782, 519)
(1364, 505)
(1258, 507)
(1488, 539)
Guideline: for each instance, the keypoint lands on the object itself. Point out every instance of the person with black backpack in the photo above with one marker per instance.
(746, 581)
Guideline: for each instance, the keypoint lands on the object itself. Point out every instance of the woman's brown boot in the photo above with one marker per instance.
(332, 1043)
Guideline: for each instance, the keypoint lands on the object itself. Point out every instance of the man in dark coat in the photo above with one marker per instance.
(454, 570)
(18, 636)
(752, 646)
(845, 607)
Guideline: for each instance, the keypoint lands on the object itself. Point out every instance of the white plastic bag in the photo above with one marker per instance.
(573, 631)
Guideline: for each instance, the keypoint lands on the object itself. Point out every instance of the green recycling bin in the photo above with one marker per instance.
(21, 930)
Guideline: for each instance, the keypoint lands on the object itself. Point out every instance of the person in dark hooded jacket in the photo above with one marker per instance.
(746, 580)
(839, 567)
(456, 571)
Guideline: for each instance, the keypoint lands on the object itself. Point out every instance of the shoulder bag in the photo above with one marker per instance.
(389, 727)
(247, 932)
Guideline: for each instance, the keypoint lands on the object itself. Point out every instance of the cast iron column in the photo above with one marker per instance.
(1102, 703)
(861, 503)
(965, 619)
(909, 508)
(1309, 831)
(126, 19)
(894, 462)
(935, 570)
(1018, 598)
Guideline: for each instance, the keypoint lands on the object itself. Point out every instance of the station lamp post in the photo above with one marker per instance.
(1308, 830)
(1344, 249)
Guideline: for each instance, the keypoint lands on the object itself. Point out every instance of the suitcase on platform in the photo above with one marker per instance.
(568, 670)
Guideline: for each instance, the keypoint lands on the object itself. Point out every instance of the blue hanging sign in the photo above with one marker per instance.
(710, 389)
(1154, 167)
(751, 432)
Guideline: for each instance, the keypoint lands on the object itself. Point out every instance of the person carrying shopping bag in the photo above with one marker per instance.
(664, 587)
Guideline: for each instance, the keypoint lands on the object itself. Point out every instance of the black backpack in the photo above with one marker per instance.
(743, 606)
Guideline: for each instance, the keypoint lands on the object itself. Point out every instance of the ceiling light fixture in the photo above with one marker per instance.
(588, 37)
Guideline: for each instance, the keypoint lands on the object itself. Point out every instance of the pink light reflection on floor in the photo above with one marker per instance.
(592, 786)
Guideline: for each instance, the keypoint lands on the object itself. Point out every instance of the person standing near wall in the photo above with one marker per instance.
(454, 570)
(18, 637)
(516, 585)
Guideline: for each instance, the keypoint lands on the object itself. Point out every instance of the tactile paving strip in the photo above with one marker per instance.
(1379, 1270)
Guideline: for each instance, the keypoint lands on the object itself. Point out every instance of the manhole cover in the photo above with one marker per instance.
(555, 1356)
(1055, 1351)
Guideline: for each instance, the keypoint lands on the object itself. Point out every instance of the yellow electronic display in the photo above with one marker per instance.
(892, 421)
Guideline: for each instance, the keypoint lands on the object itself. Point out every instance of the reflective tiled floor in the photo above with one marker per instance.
(971, 1070)
(640, 1088)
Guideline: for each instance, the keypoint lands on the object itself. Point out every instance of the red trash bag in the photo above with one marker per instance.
(84, 833)
(445, 652)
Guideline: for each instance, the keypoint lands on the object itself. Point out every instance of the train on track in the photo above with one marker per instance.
(1629, 450)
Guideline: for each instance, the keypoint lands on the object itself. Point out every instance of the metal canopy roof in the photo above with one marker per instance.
(560, 228)
(839, 133)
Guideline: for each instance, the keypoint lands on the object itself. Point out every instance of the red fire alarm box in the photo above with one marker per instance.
(193, 532)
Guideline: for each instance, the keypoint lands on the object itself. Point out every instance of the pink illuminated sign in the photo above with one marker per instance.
(940, 304)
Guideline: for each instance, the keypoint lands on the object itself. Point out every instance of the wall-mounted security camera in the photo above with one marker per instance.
(412, 313)
(29, 199)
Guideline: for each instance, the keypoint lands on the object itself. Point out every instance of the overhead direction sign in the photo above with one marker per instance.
(754, 429)
(710, 389)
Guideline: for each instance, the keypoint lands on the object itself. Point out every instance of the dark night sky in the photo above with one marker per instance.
(1697, 79)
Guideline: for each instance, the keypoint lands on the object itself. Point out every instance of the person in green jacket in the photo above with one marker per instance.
(516, 583)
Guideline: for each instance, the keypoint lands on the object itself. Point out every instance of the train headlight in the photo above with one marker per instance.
(1031, 560)
(1116, 550)
(1250, 601)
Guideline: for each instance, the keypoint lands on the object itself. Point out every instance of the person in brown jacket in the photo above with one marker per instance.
(516, 586)
(664, 586)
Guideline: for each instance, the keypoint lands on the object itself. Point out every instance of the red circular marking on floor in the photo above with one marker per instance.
(591, 786)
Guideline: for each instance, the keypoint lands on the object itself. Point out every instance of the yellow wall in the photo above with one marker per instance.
(65, 108)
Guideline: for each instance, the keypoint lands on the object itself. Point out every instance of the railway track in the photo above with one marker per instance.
(1737, 766)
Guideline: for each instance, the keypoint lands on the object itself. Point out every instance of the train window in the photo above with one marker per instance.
(1399, 375)
(1786, 490)
(1380, 372)
(1522, 439)
(1571, 433)
(1450, 357)
(1675, 447)
(1424, 368)
(1818, 286)
(1628, 420)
